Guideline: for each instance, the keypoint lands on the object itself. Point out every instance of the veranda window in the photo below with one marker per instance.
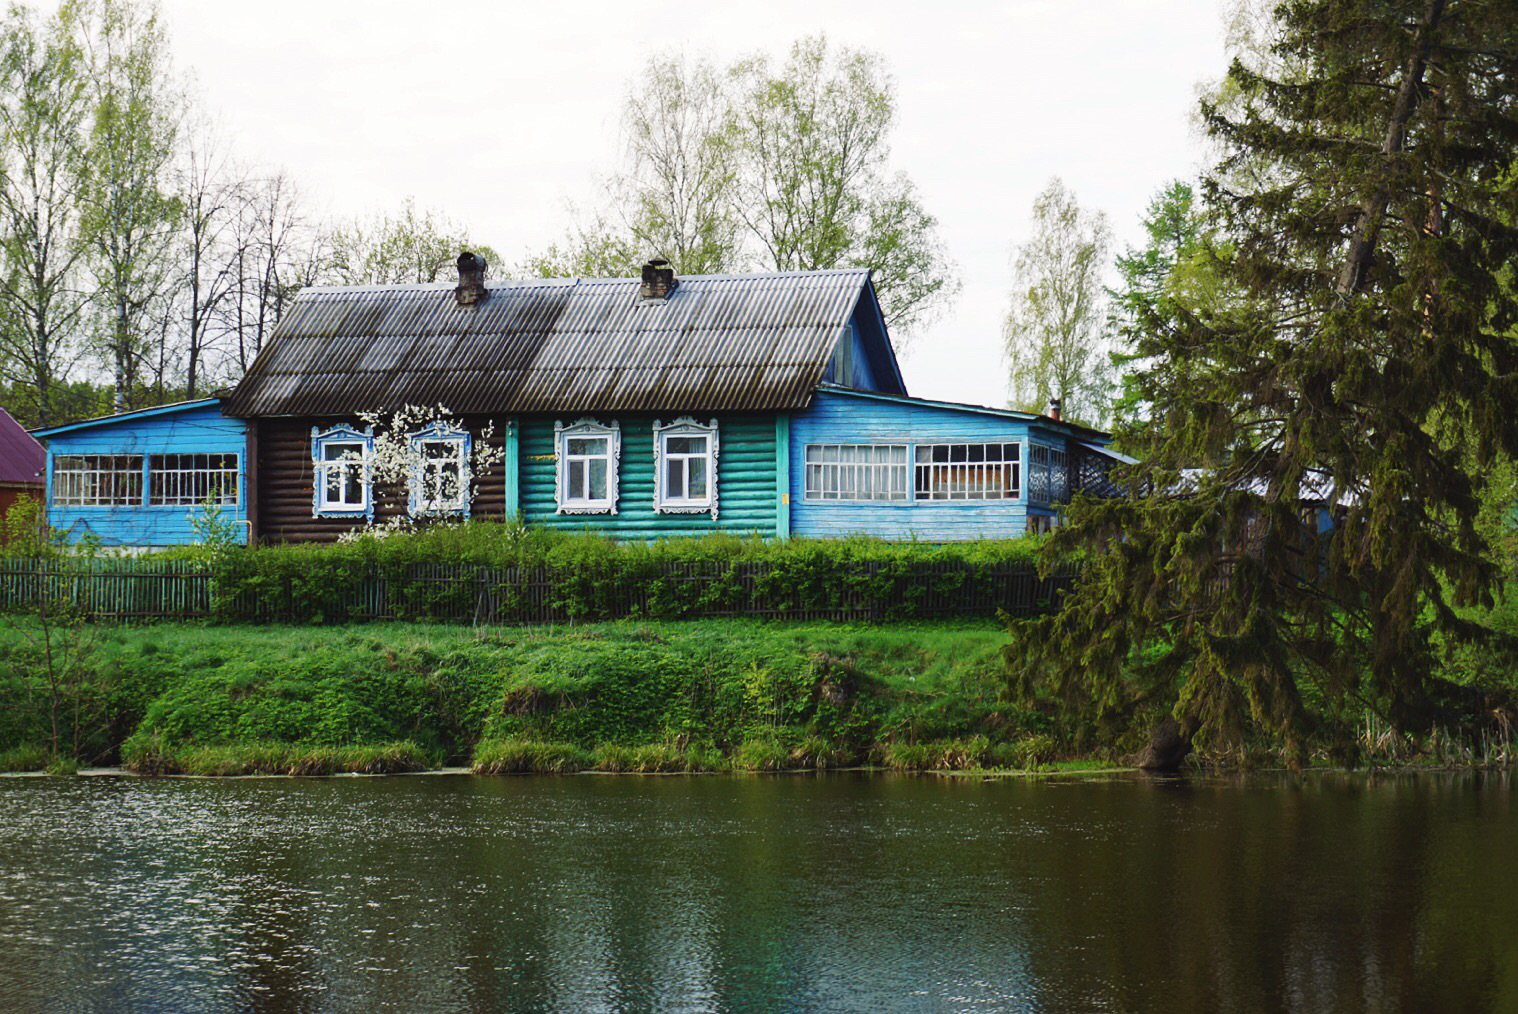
(189, 480)
(97, 480)
(869, 472)
(1048, 475)
(967, 471)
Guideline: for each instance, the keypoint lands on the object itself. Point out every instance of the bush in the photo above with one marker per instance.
(591, 577)
(26, 757)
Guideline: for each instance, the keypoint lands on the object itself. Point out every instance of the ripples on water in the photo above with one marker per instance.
(748, 894)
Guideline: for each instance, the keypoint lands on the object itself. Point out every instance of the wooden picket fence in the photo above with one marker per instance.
(144, 588)
(114, 589)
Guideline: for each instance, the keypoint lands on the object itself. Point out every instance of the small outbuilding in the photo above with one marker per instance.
(138, 480)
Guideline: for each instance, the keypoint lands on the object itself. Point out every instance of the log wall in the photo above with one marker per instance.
(286, 475)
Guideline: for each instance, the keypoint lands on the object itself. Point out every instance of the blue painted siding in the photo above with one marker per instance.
(860, 374)
(746, 467)
(840, 418)
(199, 428)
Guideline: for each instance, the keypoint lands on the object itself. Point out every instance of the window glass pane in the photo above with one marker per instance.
(685, 445)
(674, 479)
(597, 481)
(586, 445)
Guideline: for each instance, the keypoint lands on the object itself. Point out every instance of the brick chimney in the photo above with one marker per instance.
(1054, 409)
(658, 279)
(471, 288)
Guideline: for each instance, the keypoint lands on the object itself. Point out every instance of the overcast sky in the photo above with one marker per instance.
(498, 114)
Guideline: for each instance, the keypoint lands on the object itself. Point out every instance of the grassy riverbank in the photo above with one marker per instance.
(689, 696)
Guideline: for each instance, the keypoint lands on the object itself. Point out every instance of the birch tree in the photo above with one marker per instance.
(43, 109)
(129, 211)
(1056, 339)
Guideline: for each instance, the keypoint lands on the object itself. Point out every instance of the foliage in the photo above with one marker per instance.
(784, 168)
(1176, 272)
(128, 209)
(1056, 345)
(589, 577)
(696, 696)
(1366, 367)
(43, 109)
(151, 756)
(411, 246)
(53, 656)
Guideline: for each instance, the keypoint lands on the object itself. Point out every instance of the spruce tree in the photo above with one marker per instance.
(1368, 366)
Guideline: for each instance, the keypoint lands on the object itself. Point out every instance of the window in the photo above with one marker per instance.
(97, 480)
(587, 454)
(841, 368)
(440, 479)
(189, 480)
(685, 473)
(968, 471)
(340, 458)
(1048, 475)
(856, 471)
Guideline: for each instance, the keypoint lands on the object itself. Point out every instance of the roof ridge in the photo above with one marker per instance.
(529, 283)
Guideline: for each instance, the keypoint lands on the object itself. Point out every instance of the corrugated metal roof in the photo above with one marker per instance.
(21, 457)
(718, 343)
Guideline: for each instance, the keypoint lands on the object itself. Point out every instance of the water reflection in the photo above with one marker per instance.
(1323, 892)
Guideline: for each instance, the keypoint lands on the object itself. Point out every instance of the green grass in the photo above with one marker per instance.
(150, 756)
(625, 696)
(26, 757)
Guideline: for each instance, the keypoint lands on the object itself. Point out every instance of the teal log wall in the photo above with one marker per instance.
(747, 497)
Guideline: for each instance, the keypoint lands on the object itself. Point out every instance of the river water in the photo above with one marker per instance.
(831, 893)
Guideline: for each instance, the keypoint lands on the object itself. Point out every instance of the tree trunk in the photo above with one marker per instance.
(1169, 746)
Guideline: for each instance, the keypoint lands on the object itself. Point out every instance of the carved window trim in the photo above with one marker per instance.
(685, 426)
(438, 432)
(586, 428)
(341, 434)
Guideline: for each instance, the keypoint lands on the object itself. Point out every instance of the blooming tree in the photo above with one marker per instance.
(429, 452)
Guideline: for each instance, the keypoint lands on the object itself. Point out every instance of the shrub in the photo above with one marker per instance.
(26, 757)
(592, 577)
(513, 756)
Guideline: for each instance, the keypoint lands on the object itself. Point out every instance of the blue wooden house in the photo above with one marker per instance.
(638, 407)
(136, 480)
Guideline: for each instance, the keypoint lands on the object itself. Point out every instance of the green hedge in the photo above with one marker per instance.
(447, 573)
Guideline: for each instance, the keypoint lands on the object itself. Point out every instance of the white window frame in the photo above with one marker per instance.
(685, 426)
(562, 465)
(924, 473)
(321, 507)
(167, 485)
(882, 489)
(82, 476)
(438, 433)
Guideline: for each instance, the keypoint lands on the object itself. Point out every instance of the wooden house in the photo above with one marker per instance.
(636, 407)
(640, 407)
(137, 480)
(23, 464)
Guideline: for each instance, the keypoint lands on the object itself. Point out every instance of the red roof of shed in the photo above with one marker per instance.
(21, 457)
